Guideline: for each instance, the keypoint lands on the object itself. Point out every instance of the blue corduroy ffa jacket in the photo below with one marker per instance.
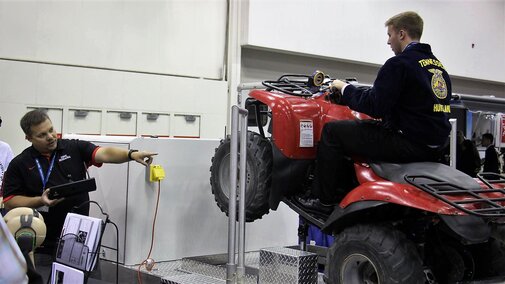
(411, 94)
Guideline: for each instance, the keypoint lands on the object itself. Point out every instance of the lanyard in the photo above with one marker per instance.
(45, 178)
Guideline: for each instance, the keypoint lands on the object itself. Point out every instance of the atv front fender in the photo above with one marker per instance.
(287, 113)
(292, 114)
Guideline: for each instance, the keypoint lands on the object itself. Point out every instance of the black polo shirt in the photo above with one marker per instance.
(23, 177)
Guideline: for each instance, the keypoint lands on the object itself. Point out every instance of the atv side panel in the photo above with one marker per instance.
(289, 111)
(342, 217)
(288, 176)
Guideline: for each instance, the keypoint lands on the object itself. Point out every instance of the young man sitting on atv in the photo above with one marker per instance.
(411, 97)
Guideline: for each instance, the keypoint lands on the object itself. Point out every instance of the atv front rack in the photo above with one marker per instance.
(483, 202)
(296, 85)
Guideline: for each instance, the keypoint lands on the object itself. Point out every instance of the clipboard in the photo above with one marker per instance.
(72, 188)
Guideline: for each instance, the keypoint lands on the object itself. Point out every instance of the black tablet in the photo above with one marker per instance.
(72, 188)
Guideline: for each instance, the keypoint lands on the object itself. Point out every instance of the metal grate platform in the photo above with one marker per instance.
(192, 278)
(202, 269)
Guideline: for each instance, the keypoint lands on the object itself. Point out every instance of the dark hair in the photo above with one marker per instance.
(409, 21)
(33, 118)
(488, 136)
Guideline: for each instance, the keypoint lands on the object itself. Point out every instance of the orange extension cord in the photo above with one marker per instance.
(152, 235)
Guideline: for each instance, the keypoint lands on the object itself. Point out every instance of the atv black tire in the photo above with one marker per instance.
(258, 176)
(489, 259)
(373, 254)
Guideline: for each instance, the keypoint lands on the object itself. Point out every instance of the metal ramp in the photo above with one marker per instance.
(203, 269)
(212, 269)
(279, 266)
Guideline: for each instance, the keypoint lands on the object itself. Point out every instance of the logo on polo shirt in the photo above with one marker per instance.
(64, 157)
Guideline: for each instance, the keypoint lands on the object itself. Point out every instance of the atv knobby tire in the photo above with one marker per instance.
(258, 176)
(373, 254)
(489, 259)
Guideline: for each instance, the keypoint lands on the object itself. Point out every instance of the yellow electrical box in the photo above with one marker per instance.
(156, 173)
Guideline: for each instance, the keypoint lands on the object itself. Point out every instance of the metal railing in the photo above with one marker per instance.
(235, 271)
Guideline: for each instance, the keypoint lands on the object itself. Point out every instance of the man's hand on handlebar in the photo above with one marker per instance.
(335, 88)
(337, 84)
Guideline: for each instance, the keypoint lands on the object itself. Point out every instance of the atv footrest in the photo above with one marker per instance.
(312, 216)
(483, 202)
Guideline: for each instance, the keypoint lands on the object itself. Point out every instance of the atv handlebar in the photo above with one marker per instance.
(305, 86)
(335, 95)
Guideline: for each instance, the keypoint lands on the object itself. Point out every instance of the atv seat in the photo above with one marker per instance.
(396, 172)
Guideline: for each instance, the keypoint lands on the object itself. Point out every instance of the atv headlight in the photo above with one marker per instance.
(317, 78)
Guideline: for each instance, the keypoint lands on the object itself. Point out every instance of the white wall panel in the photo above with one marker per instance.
(116, 124)
(186, 126)
(155, 127)
(100, 88)
(57, 85)
(354, 30)
(139, 89)
(90, 123)
(24, 84)
(18, 82)
(173, 37)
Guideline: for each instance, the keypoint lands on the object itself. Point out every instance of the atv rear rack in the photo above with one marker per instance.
(485, 205)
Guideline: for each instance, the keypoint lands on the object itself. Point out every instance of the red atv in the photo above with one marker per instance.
(399, 223)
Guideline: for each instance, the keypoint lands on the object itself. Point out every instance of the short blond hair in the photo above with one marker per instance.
(409, 21)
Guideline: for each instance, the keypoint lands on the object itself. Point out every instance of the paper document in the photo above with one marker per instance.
(79, 241)
(62, 274)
